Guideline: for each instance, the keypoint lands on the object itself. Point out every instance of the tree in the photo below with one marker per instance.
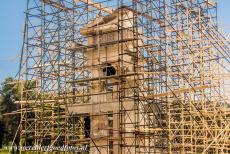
(9, 93)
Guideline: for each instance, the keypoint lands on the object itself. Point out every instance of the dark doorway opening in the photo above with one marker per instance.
(87, 126)
(109, 70)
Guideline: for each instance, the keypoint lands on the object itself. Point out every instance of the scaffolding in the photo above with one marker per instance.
(125, 76)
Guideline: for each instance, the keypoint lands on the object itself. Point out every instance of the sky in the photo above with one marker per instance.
(11, 27)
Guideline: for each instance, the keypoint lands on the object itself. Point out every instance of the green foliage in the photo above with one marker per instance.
(10, 92)
(3, 151)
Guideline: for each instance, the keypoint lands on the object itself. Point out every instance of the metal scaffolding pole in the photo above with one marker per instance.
(125, 76)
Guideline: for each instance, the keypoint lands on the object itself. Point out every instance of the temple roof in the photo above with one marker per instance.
(110, 22)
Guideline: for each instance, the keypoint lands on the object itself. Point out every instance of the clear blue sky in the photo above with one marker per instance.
(11, 27)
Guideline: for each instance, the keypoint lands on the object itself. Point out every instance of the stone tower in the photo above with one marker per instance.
(106, 43)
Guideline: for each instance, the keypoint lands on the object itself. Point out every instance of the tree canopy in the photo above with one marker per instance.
(10, 92)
